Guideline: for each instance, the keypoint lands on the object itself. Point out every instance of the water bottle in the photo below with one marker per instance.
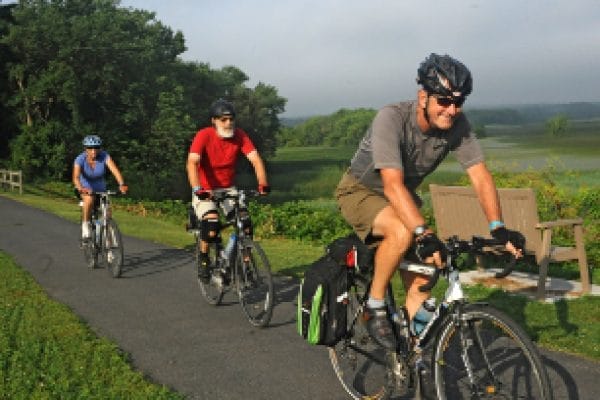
(230, 246)
(423, 315)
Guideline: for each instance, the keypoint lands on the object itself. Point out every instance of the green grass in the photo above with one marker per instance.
(571, 326)
(42, 341)
(48, 353)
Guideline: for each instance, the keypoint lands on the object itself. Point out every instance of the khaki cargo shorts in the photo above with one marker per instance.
(359, 205)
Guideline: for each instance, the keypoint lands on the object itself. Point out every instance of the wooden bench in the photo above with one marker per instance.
(458, 212)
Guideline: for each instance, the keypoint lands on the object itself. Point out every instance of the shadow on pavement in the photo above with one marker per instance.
(563, 384)
(152, 262)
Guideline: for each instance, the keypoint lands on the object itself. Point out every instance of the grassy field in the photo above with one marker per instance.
(42, 340)
(575, 322)
(313, 172)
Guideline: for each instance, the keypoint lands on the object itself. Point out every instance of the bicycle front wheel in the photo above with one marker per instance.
(486, 355)
(112, 249)
(358, 362)
(213, 289)
(90, 249)
(254, 283)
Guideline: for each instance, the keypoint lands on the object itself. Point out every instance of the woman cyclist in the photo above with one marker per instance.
(88, 177)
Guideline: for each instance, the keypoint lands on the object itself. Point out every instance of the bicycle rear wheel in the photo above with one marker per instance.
(358, 362)
(502, 361)
(254, 283)
(214, 289)
(112, 249)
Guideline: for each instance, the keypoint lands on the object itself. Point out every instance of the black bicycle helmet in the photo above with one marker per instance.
(445, 76)
(220, 108)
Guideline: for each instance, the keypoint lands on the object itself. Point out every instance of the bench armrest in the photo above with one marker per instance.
(559, 222)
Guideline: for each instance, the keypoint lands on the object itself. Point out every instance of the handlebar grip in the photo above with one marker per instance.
(431, 282)
(508, 268)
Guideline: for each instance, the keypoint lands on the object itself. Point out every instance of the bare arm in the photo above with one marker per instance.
(259, 167)
(192, 169)
(75, 177)
(484, 186)
(117, 174)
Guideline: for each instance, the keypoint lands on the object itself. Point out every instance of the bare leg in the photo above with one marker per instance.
(396, 241)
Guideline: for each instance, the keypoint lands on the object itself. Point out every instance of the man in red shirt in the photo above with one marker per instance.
(211, 165)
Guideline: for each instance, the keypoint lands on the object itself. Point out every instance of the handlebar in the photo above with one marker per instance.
(476, 245)
(106, 192)
(218, 195)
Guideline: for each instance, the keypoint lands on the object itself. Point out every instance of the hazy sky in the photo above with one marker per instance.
(323, 55)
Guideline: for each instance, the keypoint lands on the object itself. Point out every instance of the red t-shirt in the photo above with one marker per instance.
(218, 156)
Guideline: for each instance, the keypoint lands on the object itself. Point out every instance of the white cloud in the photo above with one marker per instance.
(328, 54)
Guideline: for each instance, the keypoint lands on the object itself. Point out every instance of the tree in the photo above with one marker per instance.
(557, 125)
(257, 111)
(344, 127)
(8, 124)
(78, 67)
(158, 171)
(89, 67)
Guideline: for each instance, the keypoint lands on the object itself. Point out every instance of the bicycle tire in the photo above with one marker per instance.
(358, 362)
(254, 283)
(515, 371)
(90, 249)
(112, 249)
(214, 289)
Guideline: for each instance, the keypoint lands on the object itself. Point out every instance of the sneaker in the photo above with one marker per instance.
(380, 327)
(203, 272)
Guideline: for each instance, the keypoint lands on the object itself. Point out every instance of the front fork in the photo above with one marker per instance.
(471, 340)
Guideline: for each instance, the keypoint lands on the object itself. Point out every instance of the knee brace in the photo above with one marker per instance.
(209, 229)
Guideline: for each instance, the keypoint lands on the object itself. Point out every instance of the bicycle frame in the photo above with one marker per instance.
(461, 358)
(104, 208)
(454, 293)
(241, 229)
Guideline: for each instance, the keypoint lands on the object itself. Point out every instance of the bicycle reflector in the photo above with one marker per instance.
(351, 257)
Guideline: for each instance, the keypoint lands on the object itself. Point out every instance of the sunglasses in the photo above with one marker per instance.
(225, 119)
(447, 101)
(93, 148)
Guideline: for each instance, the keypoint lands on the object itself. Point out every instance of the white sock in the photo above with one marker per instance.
(375, 303)
(85, 229)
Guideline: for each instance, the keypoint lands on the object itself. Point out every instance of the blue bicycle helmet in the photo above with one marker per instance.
(92, 141)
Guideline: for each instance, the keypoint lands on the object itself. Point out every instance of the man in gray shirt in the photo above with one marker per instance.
(405, 142)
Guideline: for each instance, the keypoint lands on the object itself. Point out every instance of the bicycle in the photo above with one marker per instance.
(105, 245)
(246, 268)
(478, 352)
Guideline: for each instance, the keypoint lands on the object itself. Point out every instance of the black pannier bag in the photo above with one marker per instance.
(352, 252)
(322, 302)
(323, 294)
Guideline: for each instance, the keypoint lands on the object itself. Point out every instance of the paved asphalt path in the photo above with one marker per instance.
(156, 314)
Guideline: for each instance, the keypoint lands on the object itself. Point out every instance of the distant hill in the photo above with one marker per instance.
(346, 127)
(291, 122)
(525, 114)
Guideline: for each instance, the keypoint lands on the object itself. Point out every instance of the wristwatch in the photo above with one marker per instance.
(420, 230)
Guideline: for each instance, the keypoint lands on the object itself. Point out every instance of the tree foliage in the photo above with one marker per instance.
(345, 127)
(557, 125)
(78, 67)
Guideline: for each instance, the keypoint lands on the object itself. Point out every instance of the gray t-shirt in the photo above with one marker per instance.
(394, 140)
